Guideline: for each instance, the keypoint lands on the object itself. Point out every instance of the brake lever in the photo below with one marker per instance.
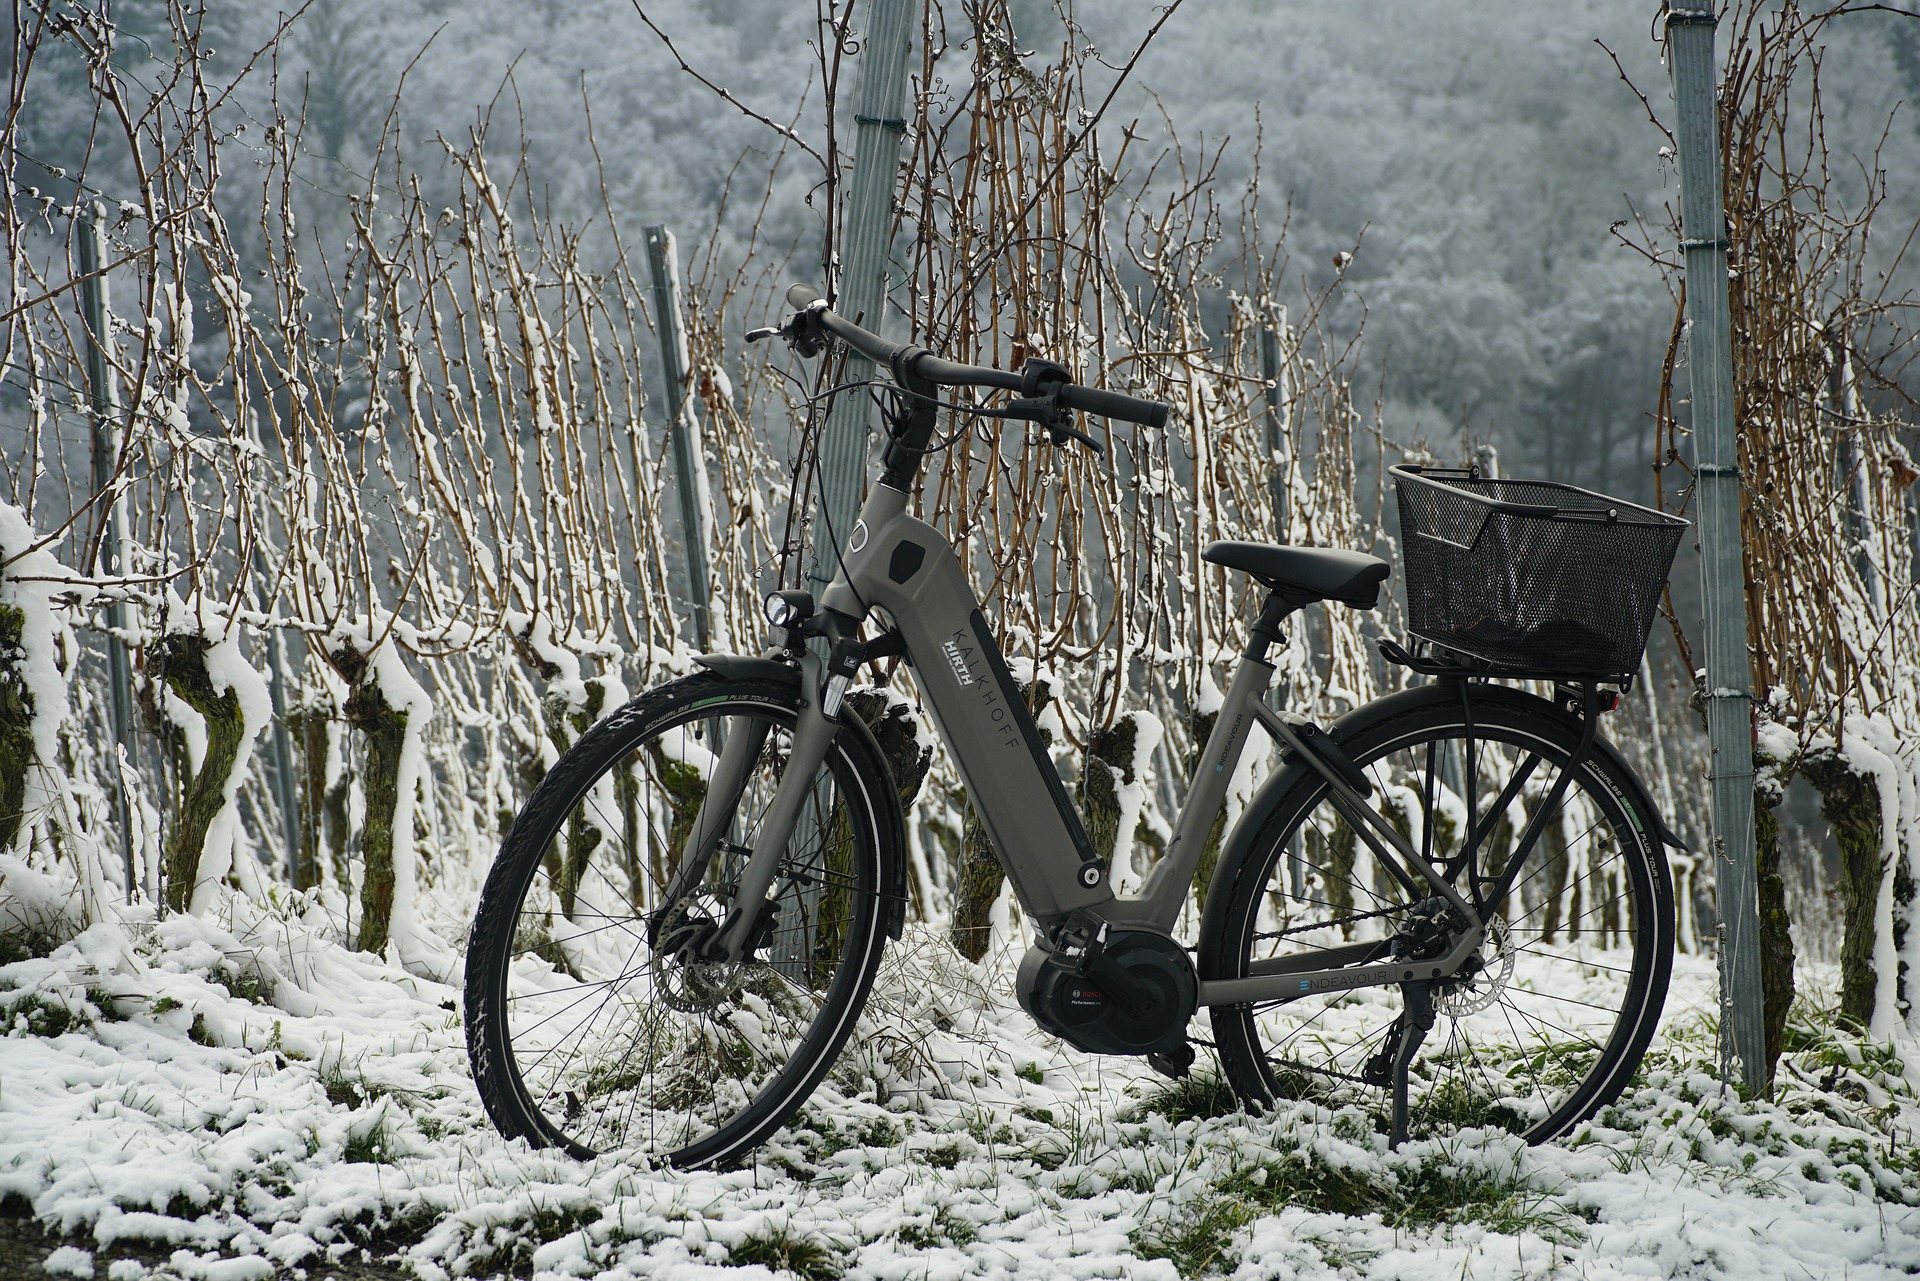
(802, 332)
(1063, 430)
(1055, 421)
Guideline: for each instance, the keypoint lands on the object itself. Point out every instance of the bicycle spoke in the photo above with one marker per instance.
(613, 1046)
(1589, 880)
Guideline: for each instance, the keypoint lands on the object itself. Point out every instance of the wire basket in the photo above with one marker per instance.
(1530, 575)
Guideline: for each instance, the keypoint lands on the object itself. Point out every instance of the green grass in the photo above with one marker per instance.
(367, 1147)
(104, 1001)
(1195, 1096)
(249, 986)
(345, 1086)
(782, 1251)
(25, 940)
(37, 1015)
(1200, 1235)
(1842, 1111)
(944, 1229)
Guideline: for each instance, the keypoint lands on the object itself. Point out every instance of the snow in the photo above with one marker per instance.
(224, 850)
(247, 1091)
(1873, 747)
(1132, 797)
(68, 1261)
(30, 577)
(387, 671)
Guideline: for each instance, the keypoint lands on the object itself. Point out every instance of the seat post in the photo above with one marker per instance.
(1266, 630)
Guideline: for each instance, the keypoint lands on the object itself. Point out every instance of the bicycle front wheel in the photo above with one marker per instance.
(1549, 1022)
(593, 1023)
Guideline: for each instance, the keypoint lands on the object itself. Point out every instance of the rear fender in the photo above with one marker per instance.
(1266, 801)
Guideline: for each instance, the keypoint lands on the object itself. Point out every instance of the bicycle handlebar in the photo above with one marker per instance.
(921, 363)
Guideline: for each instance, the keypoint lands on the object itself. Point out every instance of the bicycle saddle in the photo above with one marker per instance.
(1352, 578)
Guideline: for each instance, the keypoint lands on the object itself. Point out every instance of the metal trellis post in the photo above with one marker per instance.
(867, 231)
(284, 790)
(1729, 680)
(1279, 447)
(683, 430)
(107, 553)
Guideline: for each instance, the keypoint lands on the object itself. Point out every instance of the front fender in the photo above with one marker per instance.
(745, 667)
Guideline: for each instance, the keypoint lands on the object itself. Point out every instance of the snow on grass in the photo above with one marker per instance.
(258, 1097)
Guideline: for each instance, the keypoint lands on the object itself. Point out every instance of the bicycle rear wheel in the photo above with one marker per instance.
(592, 1022)
(1552, 1020)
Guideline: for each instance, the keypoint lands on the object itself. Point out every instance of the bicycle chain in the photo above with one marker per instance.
(1327, 925)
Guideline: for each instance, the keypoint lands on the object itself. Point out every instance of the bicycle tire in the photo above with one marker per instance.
(587, 1030)
(1570, 986)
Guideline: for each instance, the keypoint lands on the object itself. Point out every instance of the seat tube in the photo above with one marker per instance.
(1167, 886)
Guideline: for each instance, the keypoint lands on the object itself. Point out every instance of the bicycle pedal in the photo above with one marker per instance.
(1174, 1063)
(1079, 943)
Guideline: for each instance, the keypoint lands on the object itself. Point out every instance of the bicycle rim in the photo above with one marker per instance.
(1560, 1003)
(594, 1026)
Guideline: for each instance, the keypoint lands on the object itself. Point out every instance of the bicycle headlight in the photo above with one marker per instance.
(788, 608)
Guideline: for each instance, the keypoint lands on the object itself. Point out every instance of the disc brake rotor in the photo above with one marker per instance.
(680, 981)
(1466, 994)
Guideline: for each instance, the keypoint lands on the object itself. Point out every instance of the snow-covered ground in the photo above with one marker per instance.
(259, 1097)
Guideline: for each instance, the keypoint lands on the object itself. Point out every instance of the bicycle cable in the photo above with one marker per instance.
(812, 401)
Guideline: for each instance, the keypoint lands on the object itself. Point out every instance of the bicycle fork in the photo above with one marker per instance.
(813, 735)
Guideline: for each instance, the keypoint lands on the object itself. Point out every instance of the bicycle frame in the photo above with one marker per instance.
(901, 566)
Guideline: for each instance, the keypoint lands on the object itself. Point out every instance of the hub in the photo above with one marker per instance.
(684, 979)
(1482, 979)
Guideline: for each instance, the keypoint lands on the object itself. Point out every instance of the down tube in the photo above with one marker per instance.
(901, 565)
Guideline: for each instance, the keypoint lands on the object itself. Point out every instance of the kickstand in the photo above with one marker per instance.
(1415, 1022)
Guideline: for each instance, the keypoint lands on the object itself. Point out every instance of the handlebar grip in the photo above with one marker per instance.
(1112, 404)
(801, 297)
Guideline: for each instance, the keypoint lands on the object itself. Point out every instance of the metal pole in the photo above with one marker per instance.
(1913, 533)
(683, 429)
(866, 233)
(1717, 468)
(1844, 391)
(1279, 447)
(283, 783)
(106, 553)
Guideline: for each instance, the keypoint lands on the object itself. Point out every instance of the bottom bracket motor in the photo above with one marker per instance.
(1079, 1008)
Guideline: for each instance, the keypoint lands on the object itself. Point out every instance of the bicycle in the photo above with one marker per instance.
(683, 925)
